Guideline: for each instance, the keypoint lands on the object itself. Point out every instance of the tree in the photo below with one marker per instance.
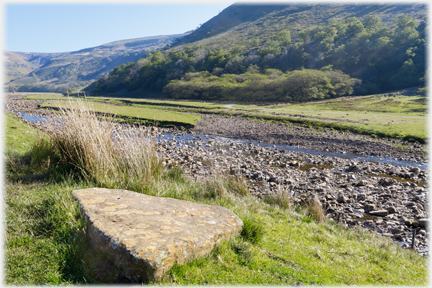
(255, 43)
(237, 50)
(284, 38)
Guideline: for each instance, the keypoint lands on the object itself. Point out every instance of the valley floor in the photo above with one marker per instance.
(389, 199)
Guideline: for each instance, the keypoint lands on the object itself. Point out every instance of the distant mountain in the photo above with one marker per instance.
(19, 64)
(57, 72)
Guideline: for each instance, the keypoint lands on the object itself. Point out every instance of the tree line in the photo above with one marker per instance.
(274, 85)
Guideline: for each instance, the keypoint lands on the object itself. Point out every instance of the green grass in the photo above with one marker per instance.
(19, 136)
(397, 127)
(41, 218)
(293, 251)
(281, 244)
(42, 221)
(134, 112)
(129, 101)
(43, 96)
(374, 104)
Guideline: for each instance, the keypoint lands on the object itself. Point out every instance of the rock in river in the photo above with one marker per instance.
(145, 235)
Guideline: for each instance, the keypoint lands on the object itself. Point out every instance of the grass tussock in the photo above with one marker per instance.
(237, 186)
(104, 156)
(280, 198)
(314, 209)
(253, 231)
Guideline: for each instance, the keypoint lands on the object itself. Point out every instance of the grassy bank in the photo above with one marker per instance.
(133, 112)
(280, 244)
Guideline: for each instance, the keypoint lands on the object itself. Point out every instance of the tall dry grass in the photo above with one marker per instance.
(109, 158)
(279, 198)
(315, 210)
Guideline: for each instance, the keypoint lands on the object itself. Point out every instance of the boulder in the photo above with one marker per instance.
(391, 209)
(369, 207)
(387, 181)
(341, 198)
(145, 236)
(354, 168)
(415, 170)
(362, 183)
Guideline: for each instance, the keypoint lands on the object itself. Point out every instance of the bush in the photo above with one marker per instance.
(299, 85)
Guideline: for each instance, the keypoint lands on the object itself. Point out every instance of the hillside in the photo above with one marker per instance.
(244, 22)
(252, 53)
(58, 72)
(19, 64)
(230, 17)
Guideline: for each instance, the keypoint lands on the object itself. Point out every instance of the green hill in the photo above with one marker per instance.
(252, 51)
(241, 23)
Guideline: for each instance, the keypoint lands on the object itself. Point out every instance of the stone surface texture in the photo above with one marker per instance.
(146, 235)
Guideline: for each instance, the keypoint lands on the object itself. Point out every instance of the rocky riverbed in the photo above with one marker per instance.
(389, 199)
(326, 139)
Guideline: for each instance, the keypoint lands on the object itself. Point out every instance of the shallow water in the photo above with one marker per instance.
(30, 117)
(207, 138)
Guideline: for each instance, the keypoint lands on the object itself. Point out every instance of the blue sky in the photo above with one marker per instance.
(70, 27)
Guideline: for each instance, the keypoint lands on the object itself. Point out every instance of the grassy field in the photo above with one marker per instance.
(41, 96)
(281, 244)
(375, 104)
(154, 115)
(129, 101)
(392, 125)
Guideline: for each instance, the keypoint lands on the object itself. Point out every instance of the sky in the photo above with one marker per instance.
(56, 27)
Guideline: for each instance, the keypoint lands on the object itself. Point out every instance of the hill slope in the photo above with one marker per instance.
(241, 23)
(57, 72)
(19, 64)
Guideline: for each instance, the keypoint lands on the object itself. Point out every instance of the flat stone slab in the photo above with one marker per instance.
(146, 235)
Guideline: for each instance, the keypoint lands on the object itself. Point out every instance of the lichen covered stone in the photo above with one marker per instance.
(146, 235)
